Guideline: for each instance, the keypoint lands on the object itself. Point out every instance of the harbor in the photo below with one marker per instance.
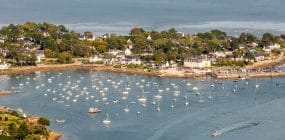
(136, 103)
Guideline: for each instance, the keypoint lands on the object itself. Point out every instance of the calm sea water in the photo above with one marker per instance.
(119, 16)
(45, 94)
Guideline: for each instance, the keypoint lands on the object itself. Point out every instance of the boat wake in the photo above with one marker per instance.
(234, 127)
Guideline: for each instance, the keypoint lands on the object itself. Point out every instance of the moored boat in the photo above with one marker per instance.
(94, 110)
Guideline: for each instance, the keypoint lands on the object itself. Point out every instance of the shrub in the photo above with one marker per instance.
(32, 137)
(44, 121)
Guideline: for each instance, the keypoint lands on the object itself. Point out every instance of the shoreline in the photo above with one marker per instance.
(167, 73)
(2, 92)
(53, 136)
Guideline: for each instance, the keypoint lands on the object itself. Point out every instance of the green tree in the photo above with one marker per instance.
(100, 46)
(50, 53)
(64, 58)
(44, 121)
(268, 39)
(88, 35)
(81, 51)
(137, 32)
(12, 129)
(247, 38)
(23, 131)
(159, 58)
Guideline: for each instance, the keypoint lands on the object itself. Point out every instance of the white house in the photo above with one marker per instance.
(40, 56)
(46, 34)
(271, 47)
(149, 38)
(83, 37)
(4, 66)
(128, 52)
(169, 64)
(114, 51)
(259, 57)
(166, 65)
(197, 62)
(95, 59)
(220, 54)
(134, 60)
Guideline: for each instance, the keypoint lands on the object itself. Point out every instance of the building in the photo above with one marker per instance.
(259, 57)
(149, 38)
(127, 52)
(32, 119)
(135, 60)
(95, 59)
(219, 54)
(114, 51)
(169, 64)
(40, 54)
(4, 66)
(4, 51)
(271, 47)
(84, 37)
(200, 62)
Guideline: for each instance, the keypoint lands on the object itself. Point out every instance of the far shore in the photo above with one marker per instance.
(169, 72)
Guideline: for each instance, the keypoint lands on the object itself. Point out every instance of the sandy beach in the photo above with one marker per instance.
(6, 92)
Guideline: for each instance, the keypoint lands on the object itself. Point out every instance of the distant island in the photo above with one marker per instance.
(164, 53)
(15, 125)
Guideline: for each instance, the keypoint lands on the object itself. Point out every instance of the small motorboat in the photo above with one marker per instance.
(216, 133)
(94, 110)
(60, 121)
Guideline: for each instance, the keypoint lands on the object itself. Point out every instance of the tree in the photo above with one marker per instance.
(80, 50)
(159, 58)
(219, 34)
(12, 129)
(100, 45)
(249, 56)
(247, 38)
(88, 35)
(44, 121)
(137, 32)
(116, 42)
(64, 58)
(50, 53)
(23, 131)
(268, 39)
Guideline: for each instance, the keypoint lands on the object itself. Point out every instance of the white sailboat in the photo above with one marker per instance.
(142, 99)
(107, 121)
(158, 108)
(127, 109)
